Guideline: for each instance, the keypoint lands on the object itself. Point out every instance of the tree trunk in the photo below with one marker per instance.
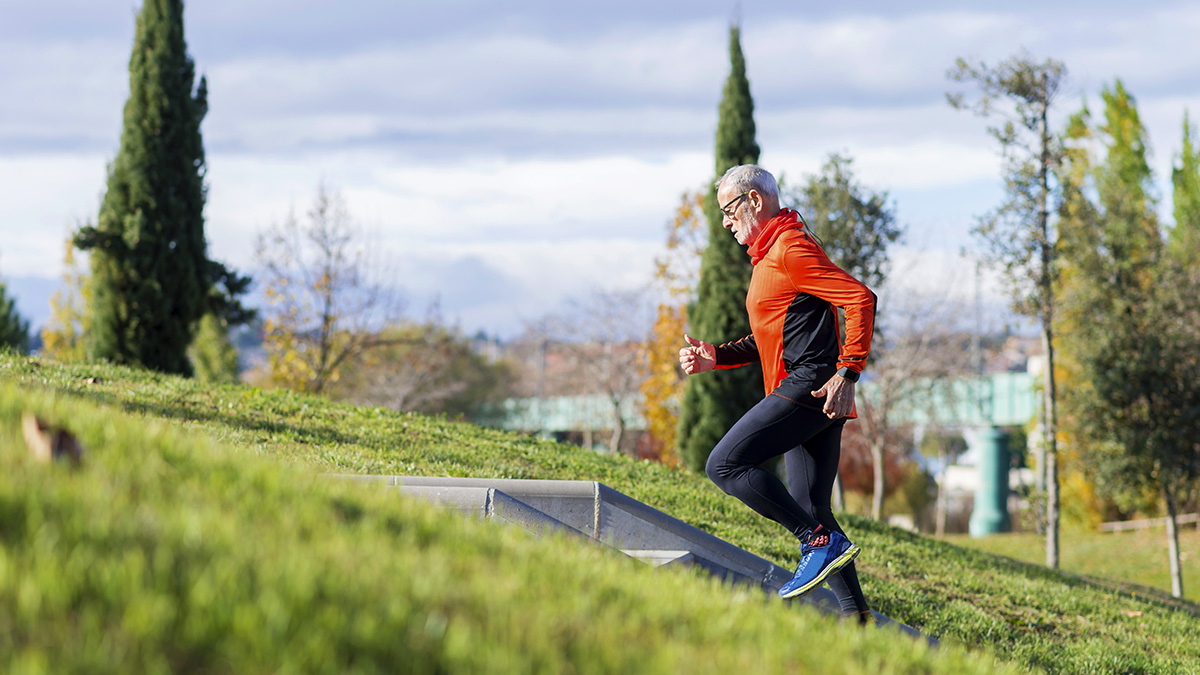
(615, 440)
(1047, 293)
(1038, 499)
(1051, 455)
(877, 458)
(940, 526)
(839, 493)
(1172, 538)
(618, 426)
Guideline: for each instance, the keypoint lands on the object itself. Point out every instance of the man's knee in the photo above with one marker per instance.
(717, 469)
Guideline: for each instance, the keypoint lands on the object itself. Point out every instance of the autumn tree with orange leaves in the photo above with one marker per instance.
(676, 273)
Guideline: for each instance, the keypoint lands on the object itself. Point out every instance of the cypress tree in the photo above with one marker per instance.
(713, 401)
(150, 272)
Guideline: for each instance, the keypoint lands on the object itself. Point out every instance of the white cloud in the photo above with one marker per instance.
(500, 286)
(931, 280)
(553, 159)
(885, 56)
(1099, 49)
(538, 198)
(920, 165)
(72, 90)
(944, 273)
(540, 231)
(45, 198)
(456, 73)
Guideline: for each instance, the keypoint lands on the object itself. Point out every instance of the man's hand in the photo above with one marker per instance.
(839, 397)
(697, 357)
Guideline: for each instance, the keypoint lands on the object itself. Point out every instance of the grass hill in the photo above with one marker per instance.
(199, 536)
(1112, 558)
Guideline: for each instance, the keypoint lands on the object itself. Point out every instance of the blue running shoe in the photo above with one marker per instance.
(818, 562)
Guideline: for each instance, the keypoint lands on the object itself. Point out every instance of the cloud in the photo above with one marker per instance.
(500, 287)
(855, 59)
(888, 161)
(545, 148)
(929, 280)
(497, 241)
(417, 205)
(456, 73)
(532, 83)
(63, 96)
(46, 197)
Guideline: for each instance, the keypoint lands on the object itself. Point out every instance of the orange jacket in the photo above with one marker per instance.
(793, 292)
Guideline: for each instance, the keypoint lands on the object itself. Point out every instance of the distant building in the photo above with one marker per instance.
(587, 420)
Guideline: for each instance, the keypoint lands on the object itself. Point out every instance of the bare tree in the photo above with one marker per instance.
(920, 352)
(429, 368)
(410, 376)
(603, 336)
(326, 294)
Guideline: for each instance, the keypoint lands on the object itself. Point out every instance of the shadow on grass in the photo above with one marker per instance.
(252, 420)
(999, 562)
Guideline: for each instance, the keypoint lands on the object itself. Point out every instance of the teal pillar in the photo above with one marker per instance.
(990, 514)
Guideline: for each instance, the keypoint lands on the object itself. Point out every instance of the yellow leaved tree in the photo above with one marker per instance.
(327, 296)
(70, 318)
(677, 273)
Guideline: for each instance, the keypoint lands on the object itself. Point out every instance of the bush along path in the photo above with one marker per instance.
(197, 519)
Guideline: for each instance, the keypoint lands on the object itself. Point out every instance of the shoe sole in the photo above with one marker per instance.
(837, 564)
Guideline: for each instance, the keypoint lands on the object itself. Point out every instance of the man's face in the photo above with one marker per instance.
(740, 212)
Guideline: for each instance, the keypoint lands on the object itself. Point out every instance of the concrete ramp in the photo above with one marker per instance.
(596, 512)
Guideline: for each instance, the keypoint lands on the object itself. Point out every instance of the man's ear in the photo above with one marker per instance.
(756, 201)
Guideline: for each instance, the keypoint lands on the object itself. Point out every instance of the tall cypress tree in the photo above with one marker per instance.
(714, 401)
(150, 272)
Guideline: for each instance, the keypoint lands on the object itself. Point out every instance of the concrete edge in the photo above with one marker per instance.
(492, 499)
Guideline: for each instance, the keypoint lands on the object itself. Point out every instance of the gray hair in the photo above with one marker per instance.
(746, 177)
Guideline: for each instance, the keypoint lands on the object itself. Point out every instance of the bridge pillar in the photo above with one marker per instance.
(990, 514)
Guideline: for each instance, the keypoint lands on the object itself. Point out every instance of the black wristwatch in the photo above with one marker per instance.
(848, 374)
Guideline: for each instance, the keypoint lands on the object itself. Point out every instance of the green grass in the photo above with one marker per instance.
(1133, 561)
(1025, 614)
(167, 553)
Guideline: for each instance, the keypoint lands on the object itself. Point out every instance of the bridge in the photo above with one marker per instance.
(979, 406)
(997, 400)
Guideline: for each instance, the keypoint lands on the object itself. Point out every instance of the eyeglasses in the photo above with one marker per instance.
(725, 209)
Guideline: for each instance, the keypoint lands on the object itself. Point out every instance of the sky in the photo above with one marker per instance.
(512, 156)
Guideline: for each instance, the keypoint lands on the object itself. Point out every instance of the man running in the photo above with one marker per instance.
(808, 376)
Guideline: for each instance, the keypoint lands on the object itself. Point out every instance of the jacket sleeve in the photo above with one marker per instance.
(812, 272)
(736, 354)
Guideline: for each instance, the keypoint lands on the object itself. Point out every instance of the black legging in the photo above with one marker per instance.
(811, 445)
